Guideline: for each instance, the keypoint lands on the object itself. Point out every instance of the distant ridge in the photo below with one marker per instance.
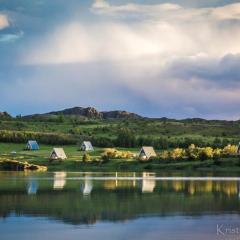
(5, 115)
(89, 112)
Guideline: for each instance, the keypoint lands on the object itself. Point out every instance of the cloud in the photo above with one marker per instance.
(10, 37)
(103, 7)
(101, 4)
(102, 42)
(4, 22)
(186, 87)
(197, 87)
(168, 11)
(174, 31)
(231, 11)
(184, 61)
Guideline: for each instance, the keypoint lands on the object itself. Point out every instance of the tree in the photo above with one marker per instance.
(217, 142)
(61, 118)
(125, 138)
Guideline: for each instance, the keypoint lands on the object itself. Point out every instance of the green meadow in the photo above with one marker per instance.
(123, 134)
(161, 133)
(74, 161)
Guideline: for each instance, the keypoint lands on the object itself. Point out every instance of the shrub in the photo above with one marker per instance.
(196, 153)
(164, 155)
(177, 153)
(192, 152)
(86, 157)
(113, 153)
(206, 153)
(230, 149)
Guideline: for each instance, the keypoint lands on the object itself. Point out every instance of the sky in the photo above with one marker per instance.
(175, 58)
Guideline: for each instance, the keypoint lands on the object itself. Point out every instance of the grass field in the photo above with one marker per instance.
(74, 161)
(69, 131)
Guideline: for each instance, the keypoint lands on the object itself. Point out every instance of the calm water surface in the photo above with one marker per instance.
(118, 206)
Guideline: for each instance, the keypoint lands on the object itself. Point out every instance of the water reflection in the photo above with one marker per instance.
(114, 197)
(32, 186)
(87, 187)
(148, 185)
(239, 189)
(59, 180)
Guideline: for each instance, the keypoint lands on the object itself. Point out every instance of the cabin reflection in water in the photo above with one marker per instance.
(148, 182)
(87, 187)
(144, 183)
(239, 189)
(85, 198)
(120, 183)
(32, 187)
(59, 180)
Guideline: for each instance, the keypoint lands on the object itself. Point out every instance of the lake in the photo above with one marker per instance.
(119, 206)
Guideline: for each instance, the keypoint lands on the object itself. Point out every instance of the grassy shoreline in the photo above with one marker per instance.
(75, 163)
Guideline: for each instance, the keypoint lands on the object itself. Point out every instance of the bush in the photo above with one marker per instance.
(112, 153)
(46, 138)
(230, 149)
(86, 157)
(206, 153)
(196, 153)
(177, 153)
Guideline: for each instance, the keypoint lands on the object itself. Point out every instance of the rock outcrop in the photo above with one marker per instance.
(89, 112)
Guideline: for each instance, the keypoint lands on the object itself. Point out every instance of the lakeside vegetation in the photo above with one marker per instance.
(124, 159)
(159, 133)
(180, 144)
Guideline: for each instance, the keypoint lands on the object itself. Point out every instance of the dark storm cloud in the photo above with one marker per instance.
(223, 72)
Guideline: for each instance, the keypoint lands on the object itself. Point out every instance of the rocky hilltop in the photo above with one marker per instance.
(89, 112)
(4, 115)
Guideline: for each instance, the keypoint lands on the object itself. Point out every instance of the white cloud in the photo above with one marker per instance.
(103, 7)
(110, 41)
(101, 4)
(169, 58)
(9, 38)
(4, 22)
(231, 11)
(172, 32)
(168, 11)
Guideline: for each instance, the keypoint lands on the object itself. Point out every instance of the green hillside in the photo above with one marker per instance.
(161, 133)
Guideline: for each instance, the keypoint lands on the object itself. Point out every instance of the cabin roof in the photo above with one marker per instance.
(87, 144)
(33, 144)
(148, 151)
(59, 153)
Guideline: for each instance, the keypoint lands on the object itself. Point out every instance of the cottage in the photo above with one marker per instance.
(87, 146)
(58, 154)
(146, 153)
(32, 145)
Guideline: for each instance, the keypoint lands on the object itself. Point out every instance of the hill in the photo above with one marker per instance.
(4, 115)
(89, 112)
(117, 129)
